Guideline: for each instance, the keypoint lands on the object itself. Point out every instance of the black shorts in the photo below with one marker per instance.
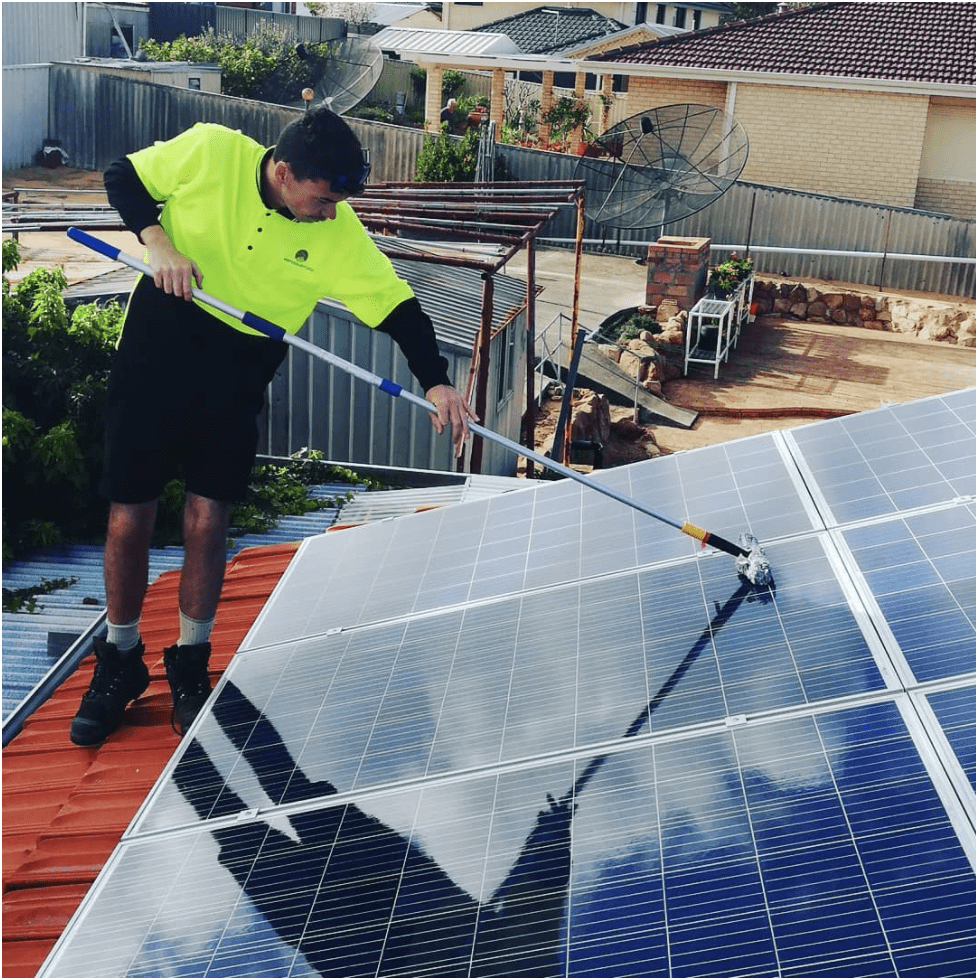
(184, 395)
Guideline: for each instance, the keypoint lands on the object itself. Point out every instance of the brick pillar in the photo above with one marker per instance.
(579, 92)
(606, 102)
(432, 101)
(498, 100)
(677, 271)
(545, 104)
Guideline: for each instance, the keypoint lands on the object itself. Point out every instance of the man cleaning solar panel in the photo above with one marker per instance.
(269, 228)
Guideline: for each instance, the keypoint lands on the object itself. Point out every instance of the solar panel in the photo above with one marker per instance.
(540, 735)
(894, 459)
(530, 539)
(921, 571)
(810, 845)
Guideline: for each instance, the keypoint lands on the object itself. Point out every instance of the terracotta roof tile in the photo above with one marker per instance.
(919, 42)
(65, 808)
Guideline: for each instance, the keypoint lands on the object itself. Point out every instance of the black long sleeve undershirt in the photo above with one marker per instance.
(128, 195)
(408, 324)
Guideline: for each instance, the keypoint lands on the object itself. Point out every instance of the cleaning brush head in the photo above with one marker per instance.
(752, 564)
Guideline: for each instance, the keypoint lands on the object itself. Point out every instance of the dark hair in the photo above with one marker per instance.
(322, 146)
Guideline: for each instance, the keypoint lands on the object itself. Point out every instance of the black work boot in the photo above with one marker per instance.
(186, 671)
(119, 678)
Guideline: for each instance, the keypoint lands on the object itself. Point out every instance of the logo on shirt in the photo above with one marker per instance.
(301, 257)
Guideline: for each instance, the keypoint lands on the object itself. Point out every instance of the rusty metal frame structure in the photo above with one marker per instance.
(433, 217)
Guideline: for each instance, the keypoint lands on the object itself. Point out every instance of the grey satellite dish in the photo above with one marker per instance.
(349, 70)
(662, 165)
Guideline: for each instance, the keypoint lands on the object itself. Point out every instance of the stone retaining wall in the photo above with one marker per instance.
(926, 319)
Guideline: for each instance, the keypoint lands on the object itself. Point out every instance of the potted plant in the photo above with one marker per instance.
(725, 277)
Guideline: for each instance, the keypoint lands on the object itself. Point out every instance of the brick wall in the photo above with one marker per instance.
(953, 197)
(677, 271)
(842, 142)
(653, 92)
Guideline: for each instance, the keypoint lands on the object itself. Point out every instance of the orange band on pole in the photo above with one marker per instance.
(695, 532)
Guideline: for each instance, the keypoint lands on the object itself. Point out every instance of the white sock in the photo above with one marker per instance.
(124, 635)
(194, 631)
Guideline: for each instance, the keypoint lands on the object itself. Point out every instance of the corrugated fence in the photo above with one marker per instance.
(757, 216)
(98, 118)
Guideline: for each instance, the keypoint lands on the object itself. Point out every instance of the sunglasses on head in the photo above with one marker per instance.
(351, 183)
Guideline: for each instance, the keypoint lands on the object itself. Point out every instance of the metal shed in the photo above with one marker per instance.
(197, 76)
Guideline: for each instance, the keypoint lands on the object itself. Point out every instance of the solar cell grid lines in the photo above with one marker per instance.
(541, 735)
(910, 456)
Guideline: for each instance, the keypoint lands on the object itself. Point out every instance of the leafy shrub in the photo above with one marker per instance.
(265, 66)
(446, 158)
(453, 83)
(55, 369)
(55, 372)
(376, 113)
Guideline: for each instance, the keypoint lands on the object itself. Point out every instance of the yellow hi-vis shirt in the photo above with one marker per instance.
(250, 255)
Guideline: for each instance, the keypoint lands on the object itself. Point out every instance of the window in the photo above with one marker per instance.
(194, 83)
(640, 14)
(117, 46)
(660, 13)
(696, 20)
(679, 16)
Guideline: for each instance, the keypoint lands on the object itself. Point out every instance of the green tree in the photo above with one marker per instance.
(265, 66)
(750, 11)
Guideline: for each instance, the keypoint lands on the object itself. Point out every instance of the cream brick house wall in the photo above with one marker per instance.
(947, 176)
(843, 142)
(648, 93)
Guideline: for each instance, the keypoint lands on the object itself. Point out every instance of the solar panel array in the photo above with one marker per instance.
(542, 735)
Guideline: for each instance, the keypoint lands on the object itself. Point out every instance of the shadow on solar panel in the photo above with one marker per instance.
(360, 892)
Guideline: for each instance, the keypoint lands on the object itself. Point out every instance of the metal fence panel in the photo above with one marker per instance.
(168, 20)
(25, 101)
(758, 215)
(36, 32)
(313, 404)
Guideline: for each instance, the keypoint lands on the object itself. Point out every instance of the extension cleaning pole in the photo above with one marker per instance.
(750, 559)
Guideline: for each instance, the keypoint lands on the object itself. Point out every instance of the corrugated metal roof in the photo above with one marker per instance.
(34, 640)
(384, 504)
(406, 41)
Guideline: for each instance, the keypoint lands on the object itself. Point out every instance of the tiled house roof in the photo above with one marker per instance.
(917, 42)
(548, 29)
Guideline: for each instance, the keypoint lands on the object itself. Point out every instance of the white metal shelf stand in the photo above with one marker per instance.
(713, 326)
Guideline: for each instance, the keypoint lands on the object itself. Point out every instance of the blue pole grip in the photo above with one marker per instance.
(96, 244)
(266, 327)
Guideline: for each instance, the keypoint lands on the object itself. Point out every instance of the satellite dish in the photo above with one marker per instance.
(349, 70)
(662, 165)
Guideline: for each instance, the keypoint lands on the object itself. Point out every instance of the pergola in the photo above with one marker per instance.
(499, 66)
(426, 218)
